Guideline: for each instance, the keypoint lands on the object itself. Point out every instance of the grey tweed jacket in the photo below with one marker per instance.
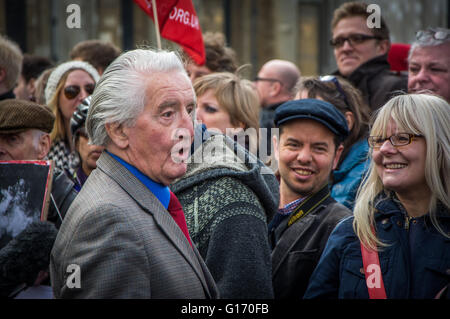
(124, 244)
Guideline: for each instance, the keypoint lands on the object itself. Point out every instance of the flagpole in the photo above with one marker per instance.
(155, 16)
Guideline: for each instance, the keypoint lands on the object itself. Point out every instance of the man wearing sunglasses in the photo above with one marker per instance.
(275, 84)
(361, 54)
(429, 63)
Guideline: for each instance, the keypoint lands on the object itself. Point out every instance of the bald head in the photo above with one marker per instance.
(276, 81)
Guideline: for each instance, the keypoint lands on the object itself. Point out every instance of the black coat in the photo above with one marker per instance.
(299, 247)
(377, 82)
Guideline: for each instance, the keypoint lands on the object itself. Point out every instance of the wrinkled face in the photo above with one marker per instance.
(429, 69)
(402, 168)
(306, 155)
(210, 113)
(89, 154)
(195, 71)
(348, 57)
(19, 146)
(159, 142)
(75, 78)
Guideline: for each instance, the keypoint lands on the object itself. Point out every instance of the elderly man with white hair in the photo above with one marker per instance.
(125, 236)
(429, 63)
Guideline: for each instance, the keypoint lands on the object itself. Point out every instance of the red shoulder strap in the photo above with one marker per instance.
(372, 272)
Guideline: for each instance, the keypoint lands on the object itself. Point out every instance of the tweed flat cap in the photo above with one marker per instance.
(318, 110)
(62, 69)
(20, 115)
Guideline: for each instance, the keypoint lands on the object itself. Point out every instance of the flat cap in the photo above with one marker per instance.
(318, 110)
(20, 115)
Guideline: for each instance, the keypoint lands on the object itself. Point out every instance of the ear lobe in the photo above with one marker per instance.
(384, 46)
(275, 88)
(350, 117)
(44, 146)
(337, 156)
(275, 148)
(118, 134)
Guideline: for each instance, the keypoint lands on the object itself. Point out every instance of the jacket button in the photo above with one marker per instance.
(399, 223)
(448, 271)
(361, 270)
(385, 221)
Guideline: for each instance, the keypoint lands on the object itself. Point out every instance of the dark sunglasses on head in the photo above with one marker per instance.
(72, 91)
(332, 78)
(352, 39)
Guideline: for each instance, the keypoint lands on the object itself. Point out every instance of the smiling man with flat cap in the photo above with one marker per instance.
(311, 135)
(25, 135)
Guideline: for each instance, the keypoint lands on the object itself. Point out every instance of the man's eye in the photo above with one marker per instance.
(413, 70)
(167, 114)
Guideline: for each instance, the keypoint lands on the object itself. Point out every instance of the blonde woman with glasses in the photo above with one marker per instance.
(397, 244)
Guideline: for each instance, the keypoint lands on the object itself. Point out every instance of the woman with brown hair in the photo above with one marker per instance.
(229, 105)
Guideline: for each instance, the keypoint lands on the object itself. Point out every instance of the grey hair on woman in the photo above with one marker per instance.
(120, 95)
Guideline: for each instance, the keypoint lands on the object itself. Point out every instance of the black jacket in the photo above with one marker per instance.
(298, 247)
(63, 193)
(377, 82)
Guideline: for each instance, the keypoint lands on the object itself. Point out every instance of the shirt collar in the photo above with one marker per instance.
(160, 191)
(289, 208)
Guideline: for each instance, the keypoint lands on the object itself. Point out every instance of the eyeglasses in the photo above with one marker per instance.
(352, 39)
(437, 34)
(331, 78)
(72, 91)
(267, 79)
(400, 139)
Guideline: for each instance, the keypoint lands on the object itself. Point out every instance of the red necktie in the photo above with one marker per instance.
(176, 211)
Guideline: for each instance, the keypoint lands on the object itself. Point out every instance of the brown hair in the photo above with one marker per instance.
(98, 53)
(352, 9)
(329, 93)
(10, 60)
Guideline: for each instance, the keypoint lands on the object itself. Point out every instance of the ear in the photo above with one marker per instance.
(275, 148)
(350, 117)
(384, 46)
(43, 146)
(275, 88)
(337, 156)
(118, 134)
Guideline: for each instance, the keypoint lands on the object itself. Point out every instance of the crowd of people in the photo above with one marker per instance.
(177, 180)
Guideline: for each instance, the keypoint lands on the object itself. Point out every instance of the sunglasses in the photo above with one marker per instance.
(437, 34)
(72, 91)
(353, 39)
(331, 78)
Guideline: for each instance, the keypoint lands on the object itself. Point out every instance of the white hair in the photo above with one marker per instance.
(120, 94)
(428, 41)
(422, 114)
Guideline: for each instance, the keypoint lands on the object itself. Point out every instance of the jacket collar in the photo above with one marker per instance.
(357, 154)
(151, 205)
(373, 66)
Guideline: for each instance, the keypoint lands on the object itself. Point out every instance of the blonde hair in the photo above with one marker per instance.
(59, 129)
(237, 96)
(421, 114)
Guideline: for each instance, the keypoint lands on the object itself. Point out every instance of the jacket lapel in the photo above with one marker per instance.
(150, 204)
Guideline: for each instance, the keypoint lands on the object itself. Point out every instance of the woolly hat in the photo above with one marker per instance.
(62, 69)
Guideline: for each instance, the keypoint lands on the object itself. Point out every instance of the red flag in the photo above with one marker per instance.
(178, 22)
